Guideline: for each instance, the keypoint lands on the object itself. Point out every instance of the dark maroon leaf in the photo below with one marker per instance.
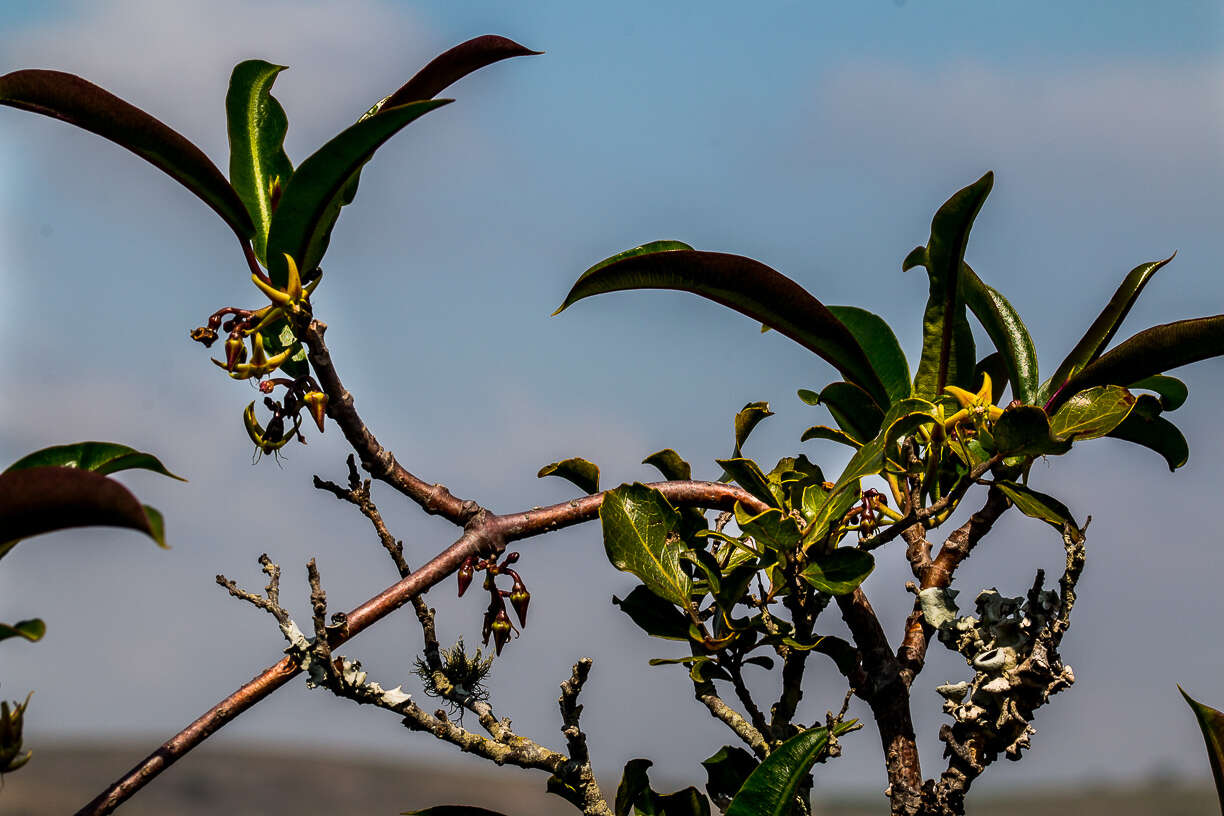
(42, 499)
(453, 65)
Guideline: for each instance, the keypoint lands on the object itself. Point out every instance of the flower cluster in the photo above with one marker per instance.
(497, 620)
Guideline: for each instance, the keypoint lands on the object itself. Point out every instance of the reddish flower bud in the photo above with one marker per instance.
(501, 627)
(316, 401)
(235, 352)
(465, 576)
(519, 598)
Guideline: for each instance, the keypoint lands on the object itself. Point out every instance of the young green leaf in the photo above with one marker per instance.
(582, 473)
(742, 284)
(43, 499)
(1211, 723)
(1103, 328)
(1155, 433)
(1006, 331)
(311, 202)
(1025, 431)
(748, 476)
(1038, 505)
(1152, 351)
(259, 167)
(770, 789)
(1173, 392)
(655, 616)
(640, 536)
(771, 529)
(100, 457)
(1092, 413)
(669, 463)
(880, 343)
(840, 571)
(825, 432)
(32, 630)
(74, 100)
(853, 409)
(947, 342)
(747, 419)
(451, 66)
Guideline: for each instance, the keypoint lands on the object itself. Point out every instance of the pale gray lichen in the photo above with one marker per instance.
(301, 649)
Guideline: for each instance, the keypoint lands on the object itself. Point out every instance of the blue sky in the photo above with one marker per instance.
(816, 137)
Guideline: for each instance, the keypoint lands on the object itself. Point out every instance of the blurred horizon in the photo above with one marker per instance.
(818, 140)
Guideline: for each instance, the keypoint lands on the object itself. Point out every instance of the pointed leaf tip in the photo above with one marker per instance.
(452, 65)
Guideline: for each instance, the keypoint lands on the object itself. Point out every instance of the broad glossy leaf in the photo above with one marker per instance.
(582, 473)
(748, 476)
(451, 810)
(742, 284)
(825, 432)
(853, 409)
(1173, 392)
(1006, 331)
(1156, 433)
(451, 66)
(947, 342)
(670, 464)
(43, 499)
(1092, 413)
(726, 773)
(1152, 351)
(654, 615)
(310, 204)
(1038, 505)
(74, 100)
(840, 571)
(640, 536)
(745, 421)
(31, 630)
(1211, 723)
(772, 528)
(1104, 327)
(1025, 431)
(257, 125)
(770, 789)
(100, 457)
(877, 339)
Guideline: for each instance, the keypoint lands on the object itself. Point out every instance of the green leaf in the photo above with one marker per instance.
(1156, 433)
(745, 421)
(840, 571)
(43, 499)
(1152, 351)
(853, 409)
(876, 338)
(748, 476)
(735, 585)
(947, 342)
(1025, 431)
(451, 810)
(1038, 505)
(32, 630)
(669, 463)
(726, 772)
(99, 457)
(825, 432)
(1172, 391)
(655, 616)
(74, 100)
(742, 284)
(770, 790)
(1006, 331)
(1103, 328)
(310, 204)
(640, 536)
(451, 66)
(1211, 723)
(257, 125)
(582, 473)
(771, 529)
(1092, 413)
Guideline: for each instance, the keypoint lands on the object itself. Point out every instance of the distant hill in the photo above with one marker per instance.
(252, 782)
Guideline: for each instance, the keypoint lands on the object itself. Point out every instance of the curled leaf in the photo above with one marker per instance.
(582, 473)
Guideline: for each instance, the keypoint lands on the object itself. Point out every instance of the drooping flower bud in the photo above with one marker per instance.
(519, 599)
(501, 627)
(235, 351)
(466, 573)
